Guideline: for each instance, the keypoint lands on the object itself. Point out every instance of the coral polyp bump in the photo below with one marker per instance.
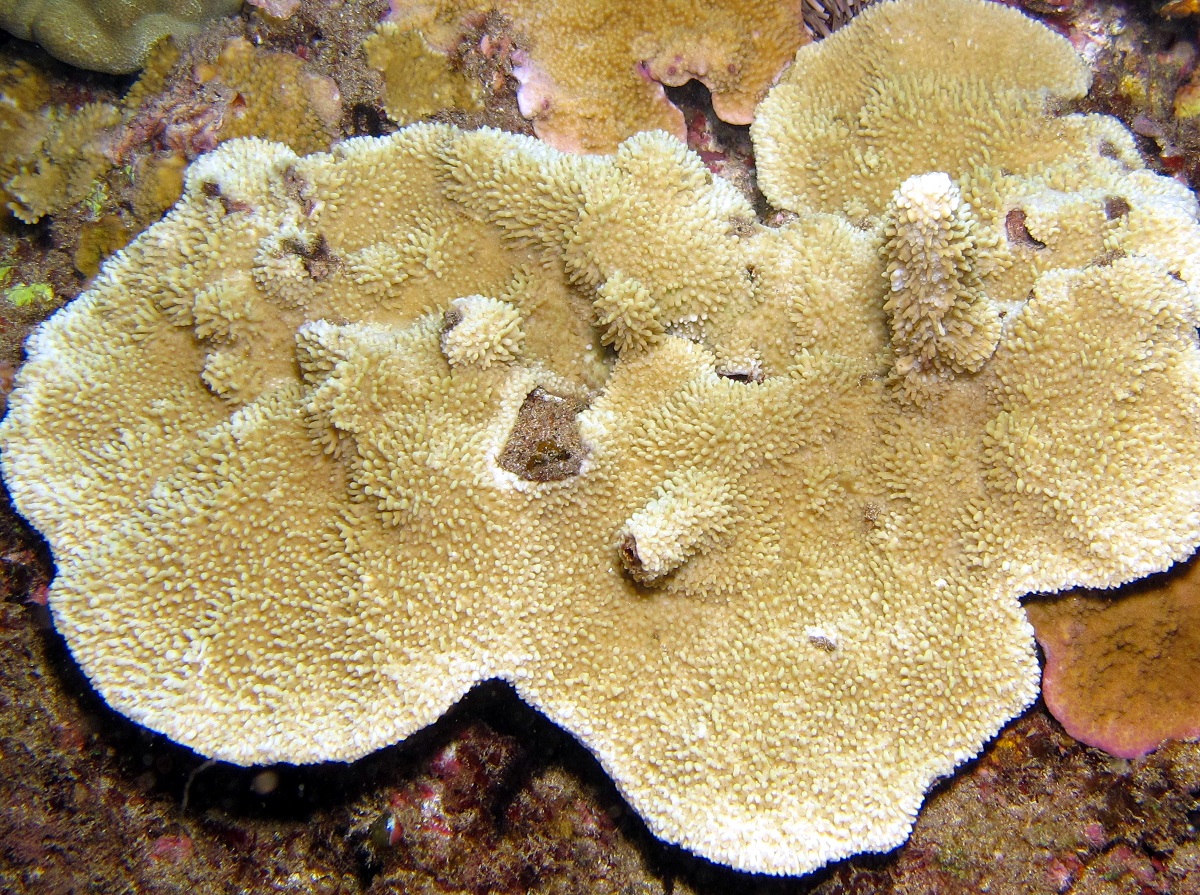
(749, 511)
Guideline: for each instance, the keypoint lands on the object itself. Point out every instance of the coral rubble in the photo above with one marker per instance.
(748, 510)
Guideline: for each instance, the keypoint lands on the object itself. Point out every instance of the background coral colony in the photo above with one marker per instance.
(604, 446)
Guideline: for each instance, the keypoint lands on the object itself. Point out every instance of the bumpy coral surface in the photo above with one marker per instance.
(275, 96)
(594, 71)
(50, 155)
(53, 156)
(65, 163)
(105, 35)
(316, 456)
(1121, 668)
(418, 79)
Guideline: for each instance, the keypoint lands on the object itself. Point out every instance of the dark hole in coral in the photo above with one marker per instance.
(752, 374)
(294, 185)
(544, 445)
(367, 121)
(318, 259)
(631, 563)
(213, 191)
(1108, 150)
(1108, 258)
(822, 642)
(1116, 207)
(824, 17)
(742, 227)
(694, 99)
(1018, 234)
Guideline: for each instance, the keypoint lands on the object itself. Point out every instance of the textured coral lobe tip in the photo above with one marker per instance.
(631, 563)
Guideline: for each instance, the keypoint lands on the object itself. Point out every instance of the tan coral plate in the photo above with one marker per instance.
(749, 511)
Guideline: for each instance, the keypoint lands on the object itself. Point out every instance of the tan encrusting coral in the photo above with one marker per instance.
(1121, 666)
(113, 36)
(417, 78)
(50, 155)
(276, 97)
(53, 156)
(579, 423)
(594, 70)
(64, 164)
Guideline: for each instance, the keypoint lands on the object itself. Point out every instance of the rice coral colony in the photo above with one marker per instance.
(112, 36)
(592, 71)
(763, 554)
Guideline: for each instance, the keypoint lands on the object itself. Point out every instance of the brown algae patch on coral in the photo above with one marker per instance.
(771, 586)
(593, 72)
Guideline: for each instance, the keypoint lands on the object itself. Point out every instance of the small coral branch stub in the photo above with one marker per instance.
(482, 331)
(941, 321)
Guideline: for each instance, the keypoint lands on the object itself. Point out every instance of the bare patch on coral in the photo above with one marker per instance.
(545, 445)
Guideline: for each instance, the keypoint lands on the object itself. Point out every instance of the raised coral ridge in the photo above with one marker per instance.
(348, 433)
(941, 322)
